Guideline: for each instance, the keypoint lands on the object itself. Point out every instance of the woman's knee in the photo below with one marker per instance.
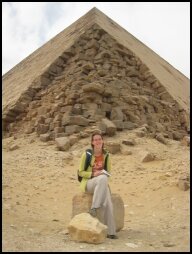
(102, 179)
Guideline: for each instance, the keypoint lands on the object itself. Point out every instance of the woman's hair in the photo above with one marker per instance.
(93, 135)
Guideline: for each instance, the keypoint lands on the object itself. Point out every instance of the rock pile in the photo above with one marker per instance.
(96, 82)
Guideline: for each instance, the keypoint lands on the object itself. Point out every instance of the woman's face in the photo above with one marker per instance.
(97, 142)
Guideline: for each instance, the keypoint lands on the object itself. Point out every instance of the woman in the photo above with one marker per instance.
(94, 180)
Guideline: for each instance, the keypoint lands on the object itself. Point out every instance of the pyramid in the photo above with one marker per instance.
(95, 74)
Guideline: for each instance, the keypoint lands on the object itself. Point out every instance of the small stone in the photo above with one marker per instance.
(169, 244)
(132, 245)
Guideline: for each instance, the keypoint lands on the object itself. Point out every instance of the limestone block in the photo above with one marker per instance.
(129, 125)
(84, 228)
(91, 52)
(116, 114)
(102, 72)
(104, 54)
(161, 138)
(88, 106)
(119, 124)
(59, 129)
(90, 97)
(88, 66)
(62, 143)
(73, 129)
(45, 137)
(26, 97)
(178, 135)
(112, 147)
(81, 203)
(93, 87)
(186, 141)
(75, 120)
(129, 142)
(108, 126)
(42, 128)
(19, 107)
(93, 44)
(13, 147)
(29, 130)
(147, 156)
(143, 68)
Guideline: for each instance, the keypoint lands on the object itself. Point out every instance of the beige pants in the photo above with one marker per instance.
(102, 199)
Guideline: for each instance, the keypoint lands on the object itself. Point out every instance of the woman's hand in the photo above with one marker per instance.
(97, 173)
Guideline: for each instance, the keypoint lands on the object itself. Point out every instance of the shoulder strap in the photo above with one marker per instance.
(88, 158)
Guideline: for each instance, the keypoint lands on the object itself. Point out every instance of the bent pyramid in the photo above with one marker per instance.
(95, 73)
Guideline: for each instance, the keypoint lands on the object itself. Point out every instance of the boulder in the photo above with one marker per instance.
(116, 114)
(185, 141)
(146, 157)
(63, 143)
(81, 203)
(108, 127)
(75, 120)
(112, 147)
(84, 228)
(93, 87)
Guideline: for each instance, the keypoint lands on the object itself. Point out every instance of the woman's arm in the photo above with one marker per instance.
(108, 163)
(84, 173)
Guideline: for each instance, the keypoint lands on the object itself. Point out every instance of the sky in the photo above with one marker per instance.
(163, 27)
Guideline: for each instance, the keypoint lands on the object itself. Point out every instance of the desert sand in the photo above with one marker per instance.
(39, 183)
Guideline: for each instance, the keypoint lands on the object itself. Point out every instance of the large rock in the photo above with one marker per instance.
(63, 143)
(108, 127)
(112, 147)
(84, 228)
(94, 87)
(116, 114)
(82, 203)
(75, 120)
(147, 156)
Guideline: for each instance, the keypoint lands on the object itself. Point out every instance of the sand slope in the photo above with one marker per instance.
(39, 183)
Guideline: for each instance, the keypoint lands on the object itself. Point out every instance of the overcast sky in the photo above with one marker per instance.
(163, 27)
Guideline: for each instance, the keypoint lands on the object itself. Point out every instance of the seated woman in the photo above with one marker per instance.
(95, 180)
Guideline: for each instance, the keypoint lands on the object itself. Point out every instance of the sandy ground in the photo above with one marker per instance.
(39, 183)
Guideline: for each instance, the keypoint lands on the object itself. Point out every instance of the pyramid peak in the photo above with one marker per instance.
(93, 15)
(94, 10)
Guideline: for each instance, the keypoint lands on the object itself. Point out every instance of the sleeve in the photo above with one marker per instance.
(84, 173)
(109, 163)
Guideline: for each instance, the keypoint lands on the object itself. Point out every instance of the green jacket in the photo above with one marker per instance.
(86, 174)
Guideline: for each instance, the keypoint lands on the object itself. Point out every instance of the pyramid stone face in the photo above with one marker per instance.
(26, 78)
(175, 82)
(95, 78)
